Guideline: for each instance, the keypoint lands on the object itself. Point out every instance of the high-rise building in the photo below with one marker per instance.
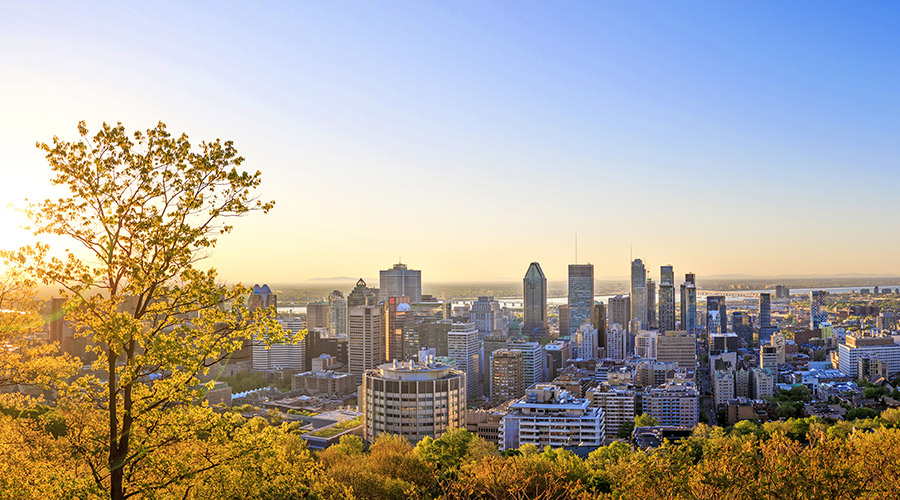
(507, 375)
(397, 316)
(598, 322)
(639, 293)
(716, 315)
(550, 416)
(619, 309)
(645, 344)
(412, 400)
(782, 292)
(535, 361)
(535, 293)
(317, 315)
(674, 404)
(464, 347)
(666, 299)
(558, 354)
(563, 320)
(263, 297)
(765, 318)
(617, 404)
(817, 312)
(281, 355)
(616, 342)
(487, 317)
(366, 341)
(337, 314)
(875, 348)
(742, 326)
(362, 295)
(651, 304)
(586, 342)
(689, 303)
(581, 296)
(400, 281)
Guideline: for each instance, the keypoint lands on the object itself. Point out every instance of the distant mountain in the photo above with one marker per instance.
(334, 279)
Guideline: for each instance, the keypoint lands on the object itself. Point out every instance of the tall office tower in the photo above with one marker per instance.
(817, 312)
(678, 347)
(598, 322)
(619, 309)
(397, 316)
(464, 347)
(535, 293)
(337, 314)
(487, 317)
(586, 342)
(638, 293)
(581, 295)
(782, 292)
(716, 315)
(317, 315)
(742, 326)
(666, 299)
(412, 400)
(262, 296)
(507, 375)
(689, 303)
(535, 361)
(651, 304)
(400, 281)
(366, 343)
(765, 310)
(563, 320)
(362, 295)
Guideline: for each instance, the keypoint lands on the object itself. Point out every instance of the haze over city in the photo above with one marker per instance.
(471, 138)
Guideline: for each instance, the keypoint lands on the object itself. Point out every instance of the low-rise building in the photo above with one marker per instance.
(550, 416)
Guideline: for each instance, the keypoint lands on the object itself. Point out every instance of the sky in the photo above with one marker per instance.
(471, 138)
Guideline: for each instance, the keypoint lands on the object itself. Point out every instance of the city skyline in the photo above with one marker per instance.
(744, 118)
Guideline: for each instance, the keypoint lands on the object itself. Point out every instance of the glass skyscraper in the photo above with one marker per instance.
(535, 293)
(581, 296)
(639, 293)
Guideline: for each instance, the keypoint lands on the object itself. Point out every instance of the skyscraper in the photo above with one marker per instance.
(366, 343)
(337, 314)
(535, 293)
(651, 304)
(586, 342)
(619, 309)
(263, 297)
(817, 312)
(765, 318)
(487, 317)
(464, 347)
(397, 315)
(716, 315)
(581, 295)
(400, 281)
(742, 326)
(535, 361)
(666, 299)
(507, 375)
(689, 303)
(639, 293)
(598, 322)
(317, 315)
(362, 295)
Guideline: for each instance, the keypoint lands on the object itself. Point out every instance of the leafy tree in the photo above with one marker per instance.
(858, 413)
(143, 209)
(644, 420)
(624, 431)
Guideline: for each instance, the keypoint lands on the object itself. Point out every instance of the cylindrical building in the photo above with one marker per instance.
(413, 400)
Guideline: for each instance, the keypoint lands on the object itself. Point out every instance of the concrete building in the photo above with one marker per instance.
(412, 400)
(645, 344)
(281, 355)
(616, 342)
(875, 348)
(652, 373)
(722, 387)
(674, 404)
(716, 315)
(535, 361)
(507, 375)
(365, 340)
(580, 296)
(651, 306)
(598, 322)
(558, 354)
(535, 294)
(401, 281)
(317, 315)
(586, 342)
(324, 382)
(678, 347)
(768, 358)
(619, 312)
(487, 317)
(763, 383)
(362, 295)
(618, 404)
(464, 347)
(550, 416)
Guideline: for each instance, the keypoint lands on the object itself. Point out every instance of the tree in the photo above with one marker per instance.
(143, 210)
(644, 420)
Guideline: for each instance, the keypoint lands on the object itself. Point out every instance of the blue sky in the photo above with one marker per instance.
(471, 138)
